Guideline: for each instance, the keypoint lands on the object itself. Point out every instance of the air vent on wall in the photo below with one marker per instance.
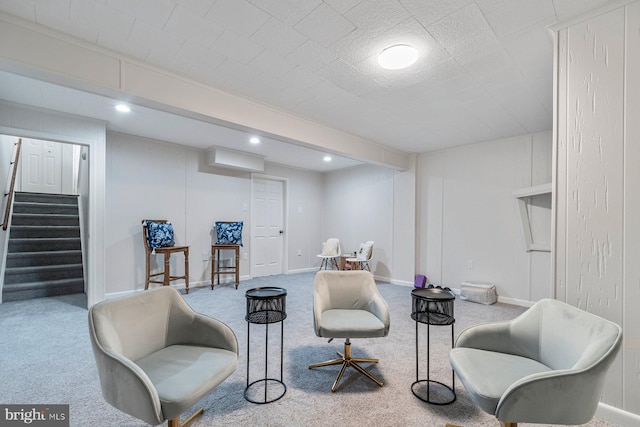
(226, 158)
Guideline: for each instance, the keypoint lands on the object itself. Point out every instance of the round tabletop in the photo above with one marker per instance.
(267, 292)
(433, 294)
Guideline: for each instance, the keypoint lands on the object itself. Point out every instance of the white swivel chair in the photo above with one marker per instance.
(157, 357)
(331, 253)
(362, 258)
(347, 304)
(547, 366)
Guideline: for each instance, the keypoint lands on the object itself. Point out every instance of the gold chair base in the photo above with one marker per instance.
(175, 422)
(346, 360)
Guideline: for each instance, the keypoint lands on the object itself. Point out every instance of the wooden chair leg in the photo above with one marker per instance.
(167, 264)
(237, 267)
(146, 282)
(186, 270)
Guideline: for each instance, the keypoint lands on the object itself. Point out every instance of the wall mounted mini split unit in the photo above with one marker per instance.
(226, 158)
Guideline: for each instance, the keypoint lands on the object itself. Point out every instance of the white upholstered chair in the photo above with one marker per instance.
(547, 366)
(331, 253)
(157, 357)
(363, 256)
(347, 304)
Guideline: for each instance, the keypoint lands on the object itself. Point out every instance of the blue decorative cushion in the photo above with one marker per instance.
(160, 234)
(229, 233)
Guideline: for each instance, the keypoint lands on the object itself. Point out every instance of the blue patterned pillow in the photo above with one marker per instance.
(160, 234)
(229, 233)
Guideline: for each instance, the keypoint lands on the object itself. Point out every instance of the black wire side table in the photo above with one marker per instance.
(266, 305)
(433, 306)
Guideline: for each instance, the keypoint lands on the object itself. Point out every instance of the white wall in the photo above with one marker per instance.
(37, 123)
(157, 180)
(597, 179)
(468, 224)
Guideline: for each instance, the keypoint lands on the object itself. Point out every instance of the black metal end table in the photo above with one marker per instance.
(433, 306)
(266, 305)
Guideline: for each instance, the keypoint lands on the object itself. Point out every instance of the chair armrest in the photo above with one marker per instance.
(125, 385)
(579, 392)
(379, 307)
(491, 337)
(198, 329)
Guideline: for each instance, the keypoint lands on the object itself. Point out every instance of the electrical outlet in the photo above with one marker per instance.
(470, 263)
(205, 255)
(245, 256)
(299, 252)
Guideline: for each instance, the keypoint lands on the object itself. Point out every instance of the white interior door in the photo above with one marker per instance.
(41, 164)
(268, 217)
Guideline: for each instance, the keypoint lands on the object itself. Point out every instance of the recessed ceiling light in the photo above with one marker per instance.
(123, 108)
(254, 140)
(397, 57)
(327, 158)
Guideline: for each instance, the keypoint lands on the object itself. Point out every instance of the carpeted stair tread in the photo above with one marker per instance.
(35, 258)
(45, 288)
(37, 244)
(43, 219)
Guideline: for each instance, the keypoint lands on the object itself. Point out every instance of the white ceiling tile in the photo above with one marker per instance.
(272, 64)
(324, 25)
(196, 55)
(517, 15)
(55, 9)
(343, 6)
(162, 42)
(302, 78)
(238, 15)
(465, 34)
(104, 19)
(349, 78)
(185, 23)
(25, 9)
(326, 90)
(312, 56)
(153, 12)
(78, 29)
(378, 14)
(236, 47)
(428, 12)
(278, 37)
(199, 7)
(290, 97)
(288, 11)
(356, 46)
(487, 6)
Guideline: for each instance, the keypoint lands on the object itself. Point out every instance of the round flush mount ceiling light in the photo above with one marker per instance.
(123, 108)
(327, 158)
(397, 57)
(254, 140)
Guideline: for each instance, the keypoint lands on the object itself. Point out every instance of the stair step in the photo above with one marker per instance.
(35, 231)
(45, 219)
(39, 258)
(48, 288)
(42, 244)
(42, 273)
(20, 196)
(45, 208)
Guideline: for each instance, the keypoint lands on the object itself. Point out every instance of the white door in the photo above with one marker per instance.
(268, 227)
(41, 164)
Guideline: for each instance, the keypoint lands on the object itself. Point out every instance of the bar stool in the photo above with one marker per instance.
(166, 251)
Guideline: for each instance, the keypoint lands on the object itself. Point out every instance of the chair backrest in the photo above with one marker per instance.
(564, 337)
(348, 290)
(137, 325)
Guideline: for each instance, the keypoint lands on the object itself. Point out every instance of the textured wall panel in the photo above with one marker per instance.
(631, 290)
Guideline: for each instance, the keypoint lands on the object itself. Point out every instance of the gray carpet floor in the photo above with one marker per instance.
(46, 358)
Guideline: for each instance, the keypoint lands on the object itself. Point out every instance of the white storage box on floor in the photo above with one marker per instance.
(484, 293)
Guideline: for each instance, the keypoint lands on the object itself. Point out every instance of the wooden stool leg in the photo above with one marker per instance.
(186, 270)
(146, 282)
(213, 265)
(167, 262)
(237, 268)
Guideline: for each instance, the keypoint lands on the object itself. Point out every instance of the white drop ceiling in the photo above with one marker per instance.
(484, 71)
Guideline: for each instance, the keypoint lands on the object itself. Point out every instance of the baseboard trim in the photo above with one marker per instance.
(401, 283)
(302, 270)
(617, 415)
(515, 301)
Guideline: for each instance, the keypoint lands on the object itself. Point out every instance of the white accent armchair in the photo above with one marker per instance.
(546, 366)
(157, 357)
(347, 304)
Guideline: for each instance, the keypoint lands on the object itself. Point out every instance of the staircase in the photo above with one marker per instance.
(44, 257)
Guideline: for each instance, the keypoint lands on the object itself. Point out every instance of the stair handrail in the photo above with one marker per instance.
(7, 209)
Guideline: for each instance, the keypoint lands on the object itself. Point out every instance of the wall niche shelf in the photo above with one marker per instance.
(524, 197)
